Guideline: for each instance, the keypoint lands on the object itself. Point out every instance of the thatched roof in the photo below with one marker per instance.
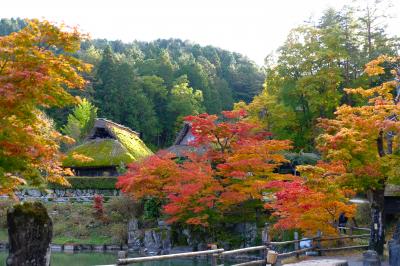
(185, 135)
(108, 144)
(182, 142)
(392, 190)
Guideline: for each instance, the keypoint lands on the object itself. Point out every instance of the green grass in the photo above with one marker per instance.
(92, 240)
(3, 234)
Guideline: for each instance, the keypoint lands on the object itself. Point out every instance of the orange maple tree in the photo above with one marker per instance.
(36, 67)
(234, 163)
(312, 201)
(365, 139)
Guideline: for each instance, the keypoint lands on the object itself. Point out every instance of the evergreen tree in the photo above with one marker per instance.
(80, 121)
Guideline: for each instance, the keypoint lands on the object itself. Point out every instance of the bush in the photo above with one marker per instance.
(98, 206)
(119, 233)
(152, 209)
(88, 182)
(123, 208)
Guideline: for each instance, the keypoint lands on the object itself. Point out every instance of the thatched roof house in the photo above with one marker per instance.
(108, 145)
(182, 142)
(392, 199)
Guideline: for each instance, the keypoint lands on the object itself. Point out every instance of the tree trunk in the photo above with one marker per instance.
(377, 239)
(29, 230)
(380, 144)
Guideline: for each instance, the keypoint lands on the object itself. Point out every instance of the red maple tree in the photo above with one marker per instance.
(236, 162)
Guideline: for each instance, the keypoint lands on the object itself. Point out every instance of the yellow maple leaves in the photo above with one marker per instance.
(36, 67)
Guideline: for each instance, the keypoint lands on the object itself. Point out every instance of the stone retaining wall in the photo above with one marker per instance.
(77, 247)
(65, 195)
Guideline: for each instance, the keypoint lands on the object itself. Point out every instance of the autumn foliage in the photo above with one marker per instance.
(234, 163)
(98, 206)
(365, 138)
(361, 145)
(36, 67)
(313, 201)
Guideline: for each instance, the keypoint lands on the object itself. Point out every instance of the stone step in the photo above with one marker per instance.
(322, 262)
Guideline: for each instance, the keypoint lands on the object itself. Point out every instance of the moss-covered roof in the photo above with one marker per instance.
(120, 145)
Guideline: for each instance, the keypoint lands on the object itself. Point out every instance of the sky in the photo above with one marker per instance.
(254, 28)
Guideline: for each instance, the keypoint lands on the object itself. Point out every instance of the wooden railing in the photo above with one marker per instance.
(316, 244)
(268, 253)
(351, 236)
(169, 256)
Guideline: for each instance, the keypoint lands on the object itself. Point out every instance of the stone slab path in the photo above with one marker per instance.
(320, 262)
(351, 261)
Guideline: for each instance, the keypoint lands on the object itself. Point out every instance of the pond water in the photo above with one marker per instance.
(93, 258)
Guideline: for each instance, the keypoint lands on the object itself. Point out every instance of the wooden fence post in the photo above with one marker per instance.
(296, 244)
(265, 237)
(318, 244)
(351, 233)
(214, 256)
(278, 262)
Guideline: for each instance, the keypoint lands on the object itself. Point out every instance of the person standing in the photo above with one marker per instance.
(342, 222)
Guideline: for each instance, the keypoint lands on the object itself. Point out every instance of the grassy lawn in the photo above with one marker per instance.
(77, 223)
(92, 240)
(3, 235)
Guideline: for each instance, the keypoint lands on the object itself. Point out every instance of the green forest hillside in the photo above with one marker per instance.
(150, 87)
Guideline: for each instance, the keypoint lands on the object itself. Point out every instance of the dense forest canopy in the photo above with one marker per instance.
(8, 26)
(151, 86)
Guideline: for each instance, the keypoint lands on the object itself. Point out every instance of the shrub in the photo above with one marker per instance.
(98, 206)
(123, 208)
(119, 233)
(88, 182)
(152, 209)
